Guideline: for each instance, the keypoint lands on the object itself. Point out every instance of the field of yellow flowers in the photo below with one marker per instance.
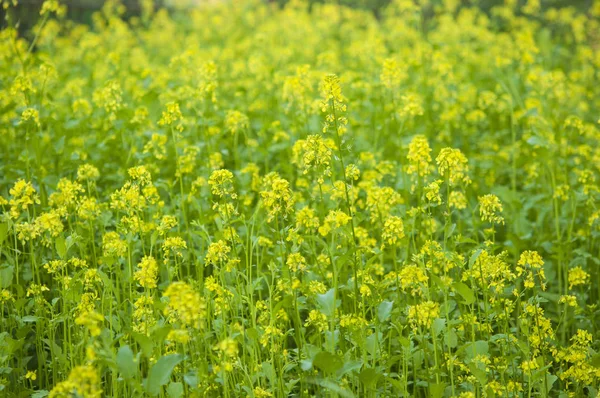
(244, 200)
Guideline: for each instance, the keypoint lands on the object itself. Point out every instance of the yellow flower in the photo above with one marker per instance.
(143, 314)
(112, 245)
(419, 157)
(236, 121)
(577, 276)
(221, 183)
(335, 220)
(453, 165)
(147, 273)
(92, 321)
(432, 192)
(260, 392)
(529, 366)
(423, 314)
(316, 319)
(83, 381)
(175, 245)
(353, 322)
(157, 146)
(296, 262)
(569, 300)
(217, 253)
(391, 74)
(314, 153)
(184, 305)
(6, 296)
(31, 114)
(276, 196)
(109, 97)
(229, 347)
(458, 200)
(87, 172)
(140, 175)
(170, 115)
(180, 336)
(333, 103)
(489, 209)
(411, 276)
(23, 195)
(393, 231)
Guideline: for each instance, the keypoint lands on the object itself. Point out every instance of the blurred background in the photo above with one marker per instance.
(26, 12)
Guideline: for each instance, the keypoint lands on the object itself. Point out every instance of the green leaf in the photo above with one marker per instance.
(332, 386)
(479, 374)
(438, 325)
(465, 292)
(175, 390)
(306, 364)
(384, 310)
(451, 338)
(191, 379)
(3, 231)
(6, 275)
(595, 361)
(328, 362)
(61, 247)
(71, 240)
(160, 373)
(372, 344)
(474, 258)
(327, 302)
(436, 390)
(479, 347)
(252, 334)
(350, 366)
(145, 343)
(126, 363)
(449, 230)
(369, 377)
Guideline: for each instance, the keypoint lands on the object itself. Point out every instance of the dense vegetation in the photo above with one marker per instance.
(248, 200)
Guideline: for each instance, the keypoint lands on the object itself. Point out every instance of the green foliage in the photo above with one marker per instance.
(247, 200)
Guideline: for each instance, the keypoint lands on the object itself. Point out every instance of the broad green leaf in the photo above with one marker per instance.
(369, 377)
(465, 292)
(160, 373)
(252, 334)
(384, 310)
(326, 302)
(328, 362)
(436, 390)
(61, 246)
(371, 343)
(474, 258)
(438, 325)
(306, 364)
(479, 347)
(333, 387)
(6, 275)
(451, 338)
(126, 363)
(350, 366)
(479, 374)
(145, 343)
(3, 231)
(175, 390)
(191, 378)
